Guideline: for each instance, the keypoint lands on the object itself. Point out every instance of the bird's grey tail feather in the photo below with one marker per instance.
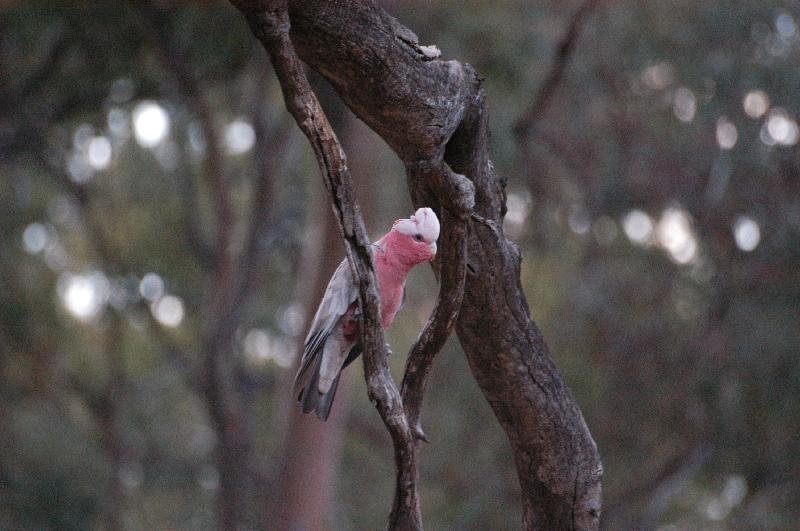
(312, 400)
(352, 355)
(308, 394)
(326, 401)
(312, 357)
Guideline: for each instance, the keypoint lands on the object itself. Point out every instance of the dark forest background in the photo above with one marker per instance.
(156, 197)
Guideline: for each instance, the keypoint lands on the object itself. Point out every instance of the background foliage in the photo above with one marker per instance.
(656, 200)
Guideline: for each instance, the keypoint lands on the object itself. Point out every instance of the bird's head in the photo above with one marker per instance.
(417, 235)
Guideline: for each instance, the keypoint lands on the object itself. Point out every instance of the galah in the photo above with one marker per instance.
(333, 341)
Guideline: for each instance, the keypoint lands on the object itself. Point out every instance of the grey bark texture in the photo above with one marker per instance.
(432, 113)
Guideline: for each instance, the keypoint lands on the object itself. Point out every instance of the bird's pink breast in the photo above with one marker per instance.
(391, 281)
(396, 257)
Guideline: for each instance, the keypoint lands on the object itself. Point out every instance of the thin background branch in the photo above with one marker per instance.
(526, 124)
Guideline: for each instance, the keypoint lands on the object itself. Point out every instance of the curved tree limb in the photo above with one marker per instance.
(458, 195)
(270, 24)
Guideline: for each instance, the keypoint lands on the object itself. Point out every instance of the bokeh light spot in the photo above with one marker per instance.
(578, 220)
(239, 137)
(34, 238)
(658, 76)
(83, 133)
(151, 287)
(786, 26)
(781, 128)
(84, 296)
(734, 490)
(291, 321)
(674, 233)
(150, 124)
(727, 135)
(78, 168)
(755, 103)
(638, 227)
(261, 346)
(684, 104)
(168, 311)
(98, 152)
(746, 233)
(119, 124)
(518, 206)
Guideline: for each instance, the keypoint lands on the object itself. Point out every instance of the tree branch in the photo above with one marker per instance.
(457, 193)
(262, 209)
(526, 124)
(23, 91)
(269, 22)
(220, 391)
(657, 487)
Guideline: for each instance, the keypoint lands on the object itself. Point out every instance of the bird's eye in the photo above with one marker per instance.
(418, 237)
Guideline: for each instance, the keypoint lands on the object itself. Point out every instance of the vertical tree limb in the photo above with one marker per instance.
(456, 193)
(270, 24)
(525, 128)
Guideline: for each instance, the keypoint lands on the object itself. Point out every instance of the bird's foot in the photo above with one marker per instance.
(419, 434)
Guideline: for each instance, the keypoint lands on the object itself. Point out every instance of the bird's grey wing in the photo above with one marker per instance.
(339, 295)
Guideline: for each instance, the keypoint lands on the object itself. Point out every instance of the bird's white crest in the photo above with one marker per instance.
(423, 221)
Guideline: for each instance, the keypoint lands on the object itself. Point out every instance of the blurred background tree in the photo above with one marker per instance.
(164, 240)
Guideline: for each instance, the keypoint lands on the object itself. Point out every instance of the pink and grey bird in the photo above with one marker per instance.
(333, 340)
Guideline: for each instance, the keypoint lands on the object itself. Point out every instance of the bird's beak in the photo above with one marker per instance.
(433, 248)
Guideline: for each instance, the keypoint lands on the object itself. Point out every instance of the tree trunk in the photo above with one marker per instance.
(232, 451)
(425, 109)
(312, 449)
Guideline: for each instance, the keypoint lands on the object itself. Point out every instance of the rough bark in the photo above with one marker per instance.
(433, 115)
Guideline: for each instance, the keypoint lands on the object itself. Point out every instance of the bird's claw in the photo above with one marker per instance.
(419, 434)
